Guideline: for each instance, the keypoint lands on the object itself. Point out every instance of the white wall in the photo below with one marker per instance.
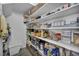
(14, 16)
(18, 33)
(16, 7)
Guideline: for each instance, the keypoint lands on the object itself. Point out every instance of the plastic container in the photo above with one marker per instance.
(58, 36)
(55, 52)
(46, 51)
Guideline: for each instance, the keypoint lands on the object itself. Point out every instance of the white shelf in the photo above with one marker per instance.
(62, 28)
(57, 28)
(68, 11)
(40, 51)
(67, 46)
(38, 10)
(65, 12)
(47, 7)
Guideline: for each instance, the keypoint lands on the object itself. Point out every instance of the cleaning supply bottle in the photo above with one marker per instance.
(49, 52)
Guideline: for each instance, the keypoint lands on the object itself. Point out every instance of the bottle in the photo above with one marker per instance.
(45, 51)
(58, 36)
(49, 52)
(41, 46)
(55, 52)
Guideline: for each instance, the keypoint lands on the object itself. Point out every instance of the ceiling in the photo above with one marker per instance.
(16, 7)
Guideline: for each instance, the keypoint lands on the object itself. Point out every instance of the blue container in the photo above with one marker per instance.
(55, 52)
(46, 51)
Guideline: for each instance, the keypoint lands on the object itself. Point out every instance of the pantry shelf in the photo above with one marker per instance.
(47, 8)
(53, 28)
(40, 51)
(38, 10)
(67, 11)
(61, 44)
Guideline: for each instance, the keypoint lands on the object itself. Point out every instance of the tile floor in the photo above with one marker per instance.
(24, 52)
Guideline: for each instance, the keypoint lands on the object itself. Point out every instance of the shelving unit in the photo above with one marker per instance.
(38, 10)
(40, 51)
(67, 46)
(57, 28)
(71, 10)
(59, 15)
(47, 8)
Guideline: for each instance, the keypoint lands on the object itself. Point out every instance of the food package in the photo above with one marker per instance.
(57, 36)
(66, 5)
(76, 39)
(46, 34)
(46, 45)
(39, 34)
(3, 27)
